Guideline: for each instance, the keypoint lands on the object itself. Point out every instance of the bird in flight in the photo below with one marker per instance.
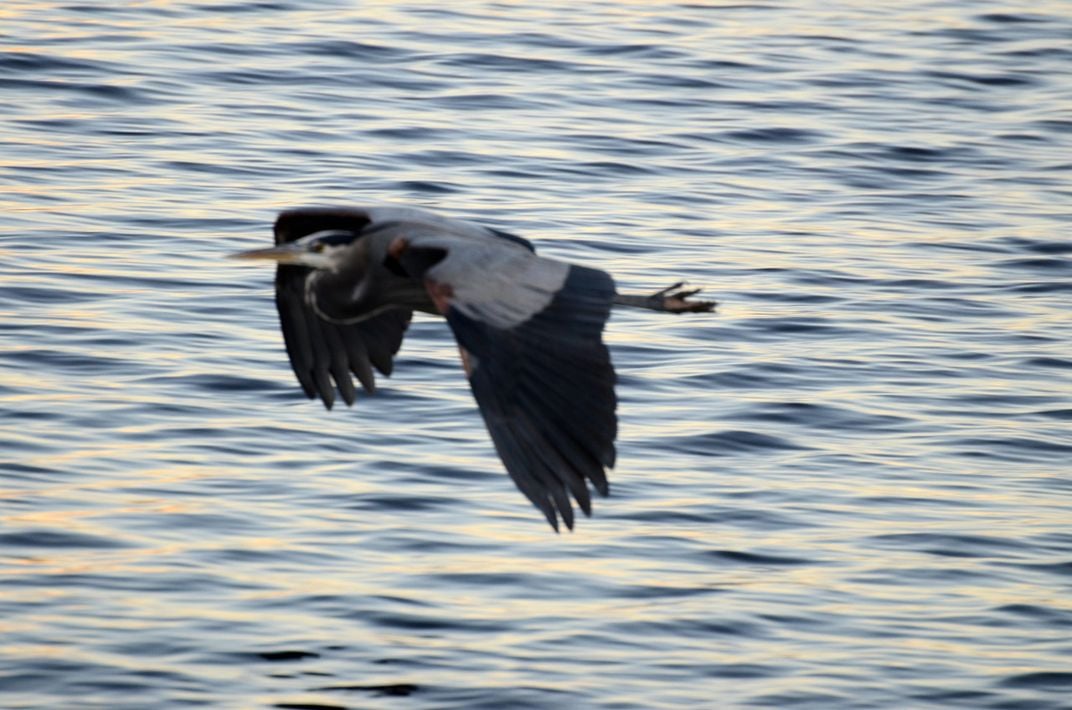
(529, 329)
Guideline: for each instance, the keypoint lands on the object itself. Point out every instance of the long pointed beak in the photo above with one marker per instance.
(282, 254)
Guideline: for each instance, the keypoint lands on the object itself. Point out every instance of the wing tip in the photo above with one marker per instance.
(559, 512)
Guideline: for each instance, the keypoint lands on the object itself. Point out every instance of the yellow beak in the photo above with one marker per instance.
(282, 254)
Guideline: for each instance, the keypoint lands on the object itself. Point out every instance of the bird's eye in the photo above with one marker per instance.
(318, 247)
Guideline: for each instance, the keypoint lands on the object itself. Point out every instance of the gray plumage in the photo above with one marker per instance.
(529, 330)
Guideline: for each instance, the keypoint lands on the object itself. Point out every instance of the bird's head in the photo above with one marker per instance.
(320, 250)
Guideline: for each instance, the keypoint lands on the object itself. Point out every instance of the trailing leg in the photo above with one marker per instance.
(666, 301)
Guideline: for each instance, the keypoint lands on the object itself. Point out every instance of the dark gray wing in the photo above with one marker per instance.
(322, 354)
(531, 334)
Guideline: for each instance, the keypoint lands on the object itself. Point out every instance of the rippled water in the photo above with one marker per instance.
(851, 488)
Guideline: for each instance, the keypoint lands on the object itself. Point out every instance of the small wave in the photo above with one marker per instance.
(57, 539)
(111, 92)
(821, 415)
(247, 6)
(428, 623)
(1014, 448)
(1042, 246)
(952, 544)
(35, 62)
(348, 48)
(754, 558)
(984, 80)
(728, 442)
(285, 656)
(777, 135)
(1062, 569)
(1048, 363)
(1039, 264)
(1045, 616)
(1051, 680)
(395, 690)
(511, 63)
(1008, 18)
(401, 503)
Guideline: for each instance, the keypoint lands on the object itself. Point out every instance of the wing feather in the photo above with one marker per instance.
(323, 355)
(360, 364)
(542, 378)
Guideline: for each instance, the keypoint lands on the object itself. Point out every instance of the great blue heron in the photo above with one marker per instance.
(529, 330)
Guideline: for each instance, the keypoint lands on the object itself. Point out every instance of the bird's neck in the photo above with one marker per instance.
(333, 296)
(341, 297)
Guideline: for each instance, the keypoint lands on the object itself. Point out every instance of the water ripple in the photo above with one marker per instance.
(846, 489)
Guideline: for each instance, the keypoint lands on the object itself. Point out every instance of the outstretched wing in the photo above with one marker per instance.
(530, 330)
(322, 354)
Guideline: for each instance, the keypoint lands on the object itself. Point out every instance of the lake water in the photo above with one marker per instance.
(851, 488)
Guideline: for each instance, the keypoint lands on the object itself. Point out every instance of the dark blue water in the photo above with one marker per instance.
(850, 488)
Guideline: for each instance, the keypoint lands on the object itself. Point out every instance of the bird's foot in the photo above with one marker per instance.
(673, 301)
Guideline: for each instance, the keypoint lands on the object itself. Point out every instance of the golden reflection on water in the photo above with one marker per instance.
(148, 469)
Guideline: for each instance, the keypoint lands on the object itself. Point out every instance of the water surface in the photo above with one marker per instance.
(851, 488)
